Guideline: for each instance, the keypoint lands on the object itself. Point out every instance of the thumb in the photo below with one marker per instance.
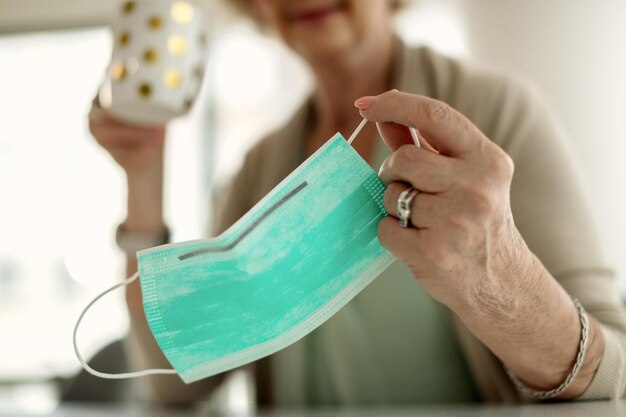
(447, 130)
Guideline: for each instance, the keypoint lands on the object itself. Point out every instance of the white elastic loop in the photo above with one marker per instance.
(357, 131)
(92, 371)
(416, 140)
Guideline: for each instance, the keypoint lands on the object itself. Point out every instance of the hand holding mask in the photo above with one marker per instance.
(287, 266)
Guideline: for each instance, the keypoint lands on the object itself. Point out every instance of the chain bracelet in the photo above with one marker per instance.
(545, 395)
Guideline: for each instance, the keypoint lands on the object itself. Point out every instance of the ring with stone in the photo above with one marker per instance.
(404, 206)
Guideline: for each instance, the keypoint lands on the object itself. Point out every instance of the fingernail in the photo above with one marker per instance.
(365, 103)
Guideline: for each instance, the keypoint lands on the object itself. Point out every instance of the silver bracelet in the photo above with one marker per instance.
(545, 395)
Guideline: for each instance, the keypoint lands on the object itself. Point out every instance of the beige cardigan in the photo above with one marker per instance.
(548, 200)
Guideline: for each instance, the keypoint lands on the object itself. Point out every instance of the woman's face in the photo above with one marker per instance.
(320, 29)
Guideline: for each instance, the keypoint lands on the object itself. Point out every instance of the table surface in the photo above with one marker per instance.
(583, 409)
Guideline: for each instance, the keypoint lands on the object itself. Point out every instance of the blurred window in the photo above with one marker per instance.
(60, 196)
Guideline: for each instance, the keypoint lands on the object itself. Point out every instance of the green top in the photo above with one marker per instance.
(370, 352)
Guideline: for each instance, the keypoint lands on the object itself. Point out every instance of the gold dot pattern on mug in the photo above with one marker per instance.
(151, 56)
(181, 12)
(172, 78)
(177, 45)
(155, 22)
(118, 72)
(145, 90)
(124, 39)
(128, 7)
(132, 65)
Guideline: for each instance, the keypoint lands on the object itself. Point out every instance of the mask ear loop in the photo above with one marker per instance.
(132, 278)
(356, 132)
(92, 371)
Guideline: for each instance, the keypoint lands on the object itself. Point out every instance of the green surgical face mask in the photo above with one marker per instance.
(286, 267)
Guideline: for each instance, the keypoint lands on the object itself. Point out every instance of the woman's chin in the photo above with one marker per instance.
(324, 44)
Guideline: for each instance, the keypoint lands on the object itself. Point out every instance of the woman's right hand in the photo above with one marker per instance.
(137, 149)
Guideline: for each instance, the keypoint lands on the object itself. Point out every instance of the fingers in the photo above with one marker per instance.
(402, 242)
(423, 169)
(425, 208)
(451, 133)
(409, 244)
(98, 116)
(395, 136)
(111, 132)
(114, 132)
(96, 113)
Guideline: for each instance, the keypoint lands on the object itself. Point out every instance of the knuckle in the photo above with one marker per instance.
(436, 111)
(480, 201)
(459, 223)
(391, 93)
(462, 229)
(501, 165)
(403, 157)
(441, 257)
(390, 96)
(506, 165)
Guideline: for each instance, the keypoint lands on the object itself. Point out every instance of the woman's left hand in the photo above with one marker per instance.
(462, 244)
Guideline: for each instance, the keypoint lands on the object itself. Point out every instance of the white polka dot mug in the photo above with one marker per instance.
(158, 59)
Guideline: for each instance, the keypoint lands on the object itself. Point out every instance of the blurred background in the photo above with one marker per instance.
(61, 196)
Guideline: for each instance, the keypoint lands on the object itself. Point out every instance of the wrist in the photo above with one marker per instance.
(531, 325)
(132, 242)
(145, 202)
(551, 390)
(593, 357)
(510, 287)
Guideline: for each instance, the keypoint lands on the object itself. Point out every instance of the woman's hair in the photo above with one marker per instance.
(241, 6)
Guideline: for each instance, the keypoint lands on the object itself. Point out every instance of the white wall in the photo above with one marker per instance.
(576, 51)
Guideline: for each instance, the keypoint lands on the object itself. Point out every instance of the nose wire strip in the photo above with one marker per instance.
(356, 132)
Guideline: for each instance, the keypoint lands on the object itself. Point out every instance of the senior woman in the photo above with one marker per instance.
(479, 305)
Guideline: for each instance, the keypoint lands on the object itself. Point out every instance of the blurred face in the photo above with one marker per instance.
(319, 29)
